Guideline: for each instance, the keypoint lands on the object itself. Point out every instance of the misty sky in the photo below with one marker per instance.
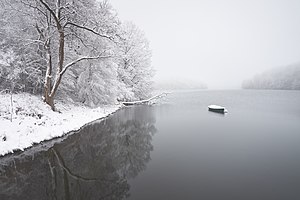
(219, 42)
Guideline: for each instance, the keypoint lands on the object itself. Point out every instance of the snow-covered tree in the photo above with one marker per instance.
(97, 84)
(78, 46)
(135, 69)
(21, 65)
(60, 24)
(95, 81)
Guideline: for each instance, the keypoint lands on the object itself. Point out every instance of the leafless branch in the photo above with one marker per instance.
(34, 7)
(83, 58)
(79, 38)
(52, 13)
(88, 29)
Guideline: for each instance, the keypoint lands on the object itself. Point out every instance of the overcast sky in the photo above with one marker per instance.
(219, 42)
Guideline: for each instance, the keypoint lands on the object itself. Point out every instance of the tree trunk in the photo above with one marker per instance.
(47, 84)
(52, 89)
(50, 101)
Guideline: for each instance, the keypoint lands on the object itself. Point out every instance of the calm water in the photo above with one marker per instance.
(176, 150)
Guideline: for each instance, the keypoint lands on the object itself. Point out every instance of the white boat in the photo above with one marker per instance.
(218, 109)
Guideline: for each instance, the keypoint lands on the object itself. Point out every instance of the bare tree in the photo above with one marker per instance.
(62, 32)
(65, 44)
(68, 18)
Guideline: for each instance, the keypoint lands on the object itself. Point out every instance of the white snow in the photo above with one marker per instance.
(216, 107)
(33, 121)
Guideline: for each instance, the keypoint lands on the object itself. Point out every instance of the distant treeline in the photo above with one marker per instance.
(283, 78)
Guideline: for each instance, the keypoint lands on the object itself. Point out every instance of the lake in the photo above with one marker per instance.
(176, 149)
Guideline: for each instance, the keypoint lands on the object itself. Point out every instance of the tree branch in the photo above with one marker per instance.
(52, 13)
(34, 7)
(130, 103)
(80, 59)
(88, 29)
(79, 38)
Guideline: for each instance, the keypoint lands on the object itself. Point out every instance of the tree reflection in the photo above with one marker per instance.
(92, 164)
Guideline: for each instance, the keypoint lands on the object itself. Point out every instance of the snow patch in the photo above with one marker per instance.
(29, 120)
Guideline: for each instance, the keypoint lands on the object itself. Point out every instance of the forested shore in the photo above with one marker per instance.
(63, 64)
(77, 50)
(282, 78)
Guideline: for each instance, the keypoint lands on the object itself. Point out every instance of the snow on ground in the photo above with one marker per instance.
(33, 121)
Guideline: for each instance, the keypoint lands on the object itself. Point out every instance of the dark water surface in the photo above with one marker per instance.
(176, 150)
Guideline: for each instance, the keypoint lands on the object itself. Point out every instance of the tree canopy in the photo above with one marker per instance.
(72, 49)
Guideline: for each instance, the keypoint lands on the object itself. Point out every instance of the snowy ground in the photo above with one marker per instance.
(33, 121)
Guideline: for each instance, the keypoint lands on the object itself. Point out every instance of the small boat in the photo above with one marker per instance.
(218, 109)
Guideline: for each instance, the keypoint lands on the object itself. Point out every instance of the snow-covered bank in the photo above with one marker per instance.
(32, 121)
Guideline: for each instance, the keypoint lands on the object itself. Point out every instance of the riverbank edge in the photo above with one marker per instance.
(36, 123)
(49, 143)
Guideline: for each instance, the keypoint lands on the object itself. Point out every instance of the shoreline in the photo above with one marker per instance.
(33, 122)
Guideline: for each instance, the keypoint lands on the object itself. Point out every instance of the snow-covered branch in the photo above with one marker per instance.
(83, 58)
(130, 103)
(52, 13)
(88, 29)
(33, 7)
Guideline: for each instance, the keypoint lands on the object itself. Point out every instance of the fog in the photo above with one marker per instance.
(220, 43)
(282, 78)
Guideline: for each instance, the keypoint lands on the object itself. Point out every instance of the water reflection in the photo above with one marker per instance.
(95, 163)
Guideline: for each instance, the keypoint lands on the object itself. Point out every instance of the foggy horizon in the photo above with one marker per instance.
(218, 43)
